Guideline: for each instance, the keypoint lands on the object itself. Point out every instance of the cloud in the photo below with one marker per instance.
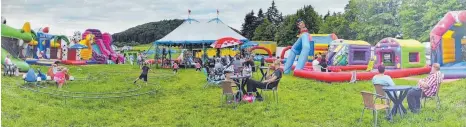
(66, 16)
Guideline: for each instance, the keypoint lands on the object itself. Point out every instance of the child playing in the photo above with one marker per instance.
(175, 67)
(198, 66)
(59, 77)
(144, 73)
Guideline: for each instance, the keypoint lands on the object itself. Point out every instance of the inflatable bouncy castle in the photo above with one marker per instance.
(448, 44)
(347, 52)
(400, 54)
(321, 43)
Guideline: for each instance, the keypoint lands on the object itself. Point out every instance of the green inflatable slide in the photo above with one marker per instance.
(19, 63)
(11, 32)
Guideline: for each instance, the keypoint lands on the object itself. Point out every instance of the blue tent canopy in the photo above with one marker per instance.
(249, 44)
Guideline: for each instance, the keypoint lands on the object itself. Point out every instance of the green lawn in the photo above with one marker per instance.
(181, 100)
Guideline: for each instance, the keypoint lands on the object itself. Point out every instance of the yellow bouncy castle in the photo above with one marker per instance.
(86, 53)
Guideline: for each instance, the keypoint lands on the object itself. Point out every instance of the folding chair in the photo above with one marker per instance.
(435, 96)
(228, 91)
(273, 89)
(210, 78)
(369, 103)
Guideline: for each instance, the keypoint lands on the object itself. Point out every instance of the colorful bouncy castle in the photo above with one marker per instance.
(322, 41)
(403, 58)
(348, 52)
(400, 54)
(448, 44)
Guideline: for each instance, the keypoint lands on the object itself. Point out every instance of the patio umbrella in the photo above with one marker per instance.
(78, 46)
(225, 42)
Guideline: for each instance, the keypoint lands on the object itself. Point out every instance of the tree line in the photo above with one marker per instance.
(368, 20)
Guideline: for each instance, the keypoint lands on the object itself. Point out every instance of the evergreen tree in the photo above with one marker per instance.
(273, 15)
(260, 14)
(249, 25)
(327, 15)
(311, 18)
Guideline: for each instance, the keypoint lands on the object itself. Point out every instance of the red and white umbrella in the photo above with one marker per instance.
(226, 42)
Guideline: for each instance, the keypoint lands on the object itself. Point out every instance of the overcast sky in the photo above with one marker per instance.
(66, 16)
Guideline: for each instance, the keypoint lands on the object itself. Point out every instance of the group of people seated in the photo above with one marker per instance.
(218, 66)
(426, 87)
(9, 66)
(320, 63)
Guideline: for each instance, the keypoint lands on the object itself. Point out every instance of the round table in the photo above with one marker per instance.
(397, 99)
(240, 81)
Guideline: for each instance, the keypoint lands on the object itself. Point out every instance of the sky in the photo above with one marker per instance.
(66, 16)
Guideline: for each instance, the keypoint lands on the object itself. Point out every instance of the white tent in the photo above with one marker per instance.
(192, 31)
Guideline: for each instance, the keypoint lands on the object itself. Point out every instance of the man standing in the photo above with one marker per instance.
(427, 86)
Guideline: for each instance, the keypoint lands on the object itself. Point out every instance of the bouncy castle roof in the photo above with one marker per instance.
(192, 32)
(401, 42)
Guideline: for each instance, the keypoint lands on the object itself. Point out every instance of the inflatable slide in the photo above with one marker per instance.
(12, 40)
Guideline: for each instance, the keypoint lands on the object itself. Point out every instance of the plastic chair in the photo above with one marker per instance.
(228, 91)
(369, 103)
(435, 96)
(273, 89)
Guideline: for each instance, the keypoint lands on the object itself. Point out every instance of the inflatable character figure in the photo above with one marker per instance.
(302, 47)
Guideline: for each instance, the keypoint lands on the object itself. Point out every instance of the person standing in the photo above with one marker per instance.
(145, 69)
(175, 67)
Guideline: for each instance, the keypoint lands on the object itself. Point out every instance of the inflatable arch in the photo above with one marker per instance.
(263, 48)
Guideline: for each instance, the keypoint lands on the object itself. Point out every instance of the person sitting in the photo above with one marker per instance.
(315, 64)
(381, 78)
(323, 64)
(426, 86)
(8, 60)
(249, 63)
(9, 65)
(269, 82)
(59, 77)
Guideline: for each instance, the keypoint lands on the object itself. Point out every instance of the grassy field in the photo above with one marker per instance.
(181, 100)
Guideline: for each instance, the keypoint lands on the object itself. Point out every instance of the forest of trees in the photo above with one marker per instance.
(369, 20)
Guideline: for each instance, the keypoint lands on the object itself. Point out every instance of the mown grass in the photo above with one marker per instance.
(181, 100)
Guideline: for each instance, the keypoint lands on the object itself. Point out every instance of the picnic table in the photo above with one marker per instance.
(397, 98)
